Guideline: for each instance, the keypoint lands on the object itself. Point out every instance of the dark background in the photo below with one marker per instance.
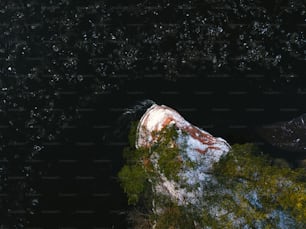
(69, 69)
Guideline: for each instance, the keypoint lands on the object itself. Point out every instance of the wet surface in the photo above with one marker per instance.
(290, 135)
(69, 68)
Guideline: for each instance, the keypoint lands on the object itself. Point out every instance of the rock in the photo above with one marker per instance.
(177, 167)
(199, 147)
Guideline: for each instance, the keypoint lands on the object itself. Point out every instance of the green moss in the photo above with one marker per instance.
(245, 171)
(132, 134)
(175, 216)
(227, 199)
(134, 176)
(133, 180)
(169, 163)
(168, 153)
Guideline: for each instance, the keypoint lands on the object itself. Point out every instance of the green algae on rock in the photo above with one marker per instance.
(177, 184)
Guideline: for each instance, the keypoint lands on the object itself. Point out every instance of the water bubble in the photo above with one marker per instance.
(80, 78)
(51, 137)
(214, 60)
(63, 117)
(20, 15)
(35, 202)
(55, 48)
(37, 148)
(27, 170)
(34, 26)
(277, 60)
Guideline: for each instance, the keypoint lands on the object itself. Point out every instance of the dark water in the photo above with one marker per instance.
(68, 69)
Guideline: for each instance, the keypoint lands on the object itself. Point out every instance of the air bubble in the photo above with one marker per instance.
(80, 78)
(35, 202)
(55, 48)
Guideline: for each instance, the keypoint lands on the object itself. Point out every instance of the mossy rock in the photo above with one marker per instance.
(246, 189)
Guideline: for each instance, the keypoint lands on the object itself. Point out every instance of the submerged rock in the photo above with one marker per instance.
(288, 135)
